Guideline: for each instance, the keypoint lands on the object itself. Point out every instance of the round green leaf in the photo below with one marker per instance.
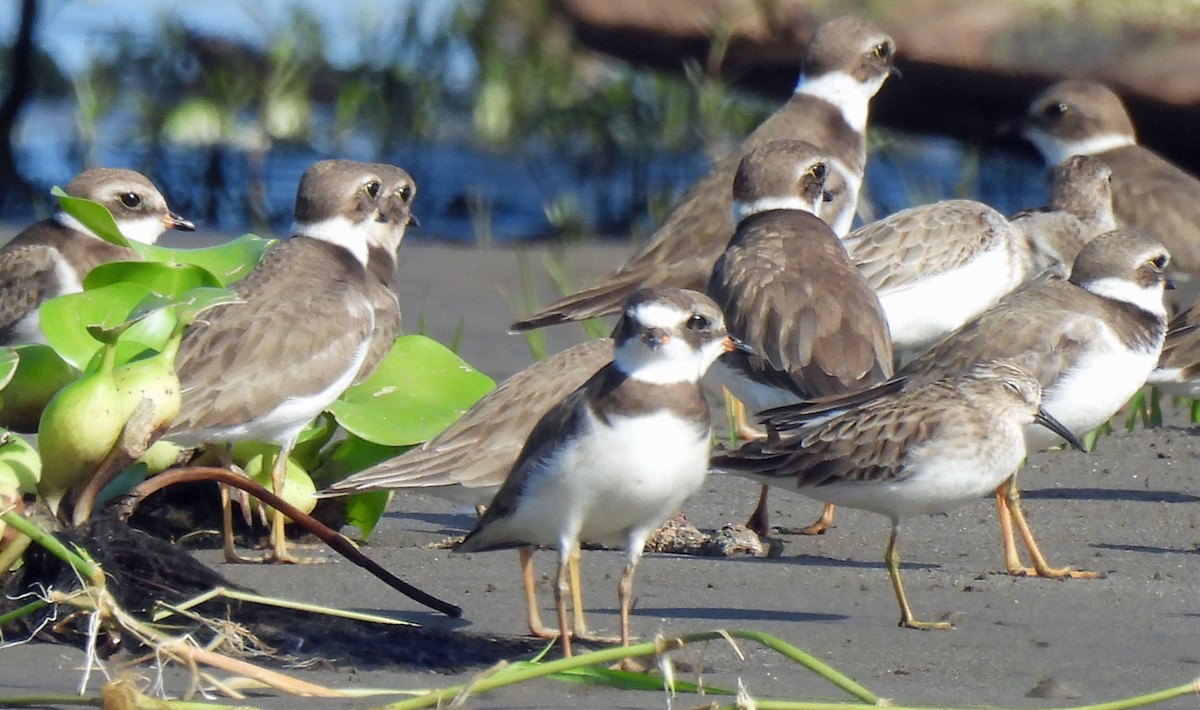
(416, 392)
(40, 373)
(228, 262)
(163, 278)
(65, 320)
(20, 465)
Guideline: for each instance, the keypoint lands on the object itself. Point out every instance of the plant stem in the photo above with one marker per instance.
(650, 648)
(23, 611)
(88, 569)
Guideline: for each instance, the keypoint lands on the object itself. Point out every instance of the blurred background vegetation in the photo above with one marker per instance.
(511, 129)
(499, 86)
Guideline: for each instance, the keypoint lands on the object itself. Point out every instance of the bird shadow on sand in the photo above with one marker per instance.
(1148, 549)
(807, 560)
(1142, 496)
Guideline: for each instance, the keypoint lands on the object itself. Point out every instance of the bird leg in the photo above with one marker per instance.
(1008, 508)
(532, 615)
(278, 552)
(891, 559)
(625, 598)
(225, 456)
(818, 527)
(758, 519)
(561, 590)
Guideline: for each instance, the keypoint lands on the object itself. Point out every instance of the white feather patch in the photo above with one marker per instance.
(351, 236)
(1055, 151)
(851, 97)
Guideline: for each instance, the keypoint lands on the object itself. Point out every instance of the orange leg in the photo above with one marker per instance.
(1008, 506)
(561, 589)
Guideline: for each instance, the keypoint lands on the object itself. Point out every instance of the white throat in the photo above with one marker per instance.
(851, 97)
(1149, 299)
(742, 210)
(1055, 151)
(353, 237)
(672, 363)
(146, 230)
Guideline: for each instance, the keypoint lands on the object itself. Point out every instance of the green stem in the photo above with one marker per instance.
(13, 552)
(88, 569)
(609, 655)
(23, 611)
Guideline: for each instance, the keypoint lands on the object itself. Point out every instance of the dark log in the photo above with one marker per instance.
(969, 65)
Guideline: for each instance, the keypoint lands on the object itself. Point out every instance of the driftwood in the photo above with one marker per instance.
(968, 65)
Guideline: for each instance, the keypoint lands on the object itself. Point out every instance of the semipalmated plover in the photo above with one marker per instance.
(1148, 192)
(926, 449)
(50, 258)
(468, 462)
(610, 461)
(260, 369)
(845, 64)
(790, 292)
(395, 203)
(1091, 341)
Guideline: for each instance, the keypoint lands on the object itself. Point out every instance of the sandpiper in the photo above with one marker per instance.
(937, 266)
(50, 258)
(260, 369)
(1091, 341)
(610, 461)
(923, 450)
(845, 64)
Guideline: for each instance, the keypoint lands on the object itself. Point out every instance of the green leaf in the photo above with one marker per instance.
(92, 215)
(9, 360)
(66, 320)
(228, 262)
(363, 510)
(163, 278)
(198, 300)
(352, 455)
(418, 390)
(39, 375)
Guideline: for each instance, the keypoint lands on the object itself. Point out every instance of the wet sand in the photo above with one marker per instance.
(1128, 509)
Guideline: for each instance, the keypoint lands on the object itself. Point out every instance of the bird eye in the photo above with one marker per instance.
(818, 171)
(372, 189)
(883, 50)
(1012, 387)
(1056, 110)
(405, 193)
(1159, 262)
(697, 322)
(131, 200)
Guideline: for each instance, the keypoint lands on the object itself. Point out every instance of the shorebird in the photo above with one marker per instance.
(790, 292)
(51, 257)
(610, 461)
(845, 64)
(1091, 341)
(919, 451)
(1149, 192)
(1178, 371)
(468, 462)
(262, 368)
(937, 266)
(383, 244)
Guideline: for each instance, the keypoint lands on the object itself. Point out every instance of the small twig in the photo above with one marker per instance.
(129, 503)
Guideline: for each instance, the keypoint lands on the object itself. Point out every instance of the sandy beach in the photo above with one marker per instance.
(1128, 509)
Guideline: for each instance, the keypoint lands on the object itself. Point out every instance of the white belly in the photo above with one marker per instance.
(614, 485)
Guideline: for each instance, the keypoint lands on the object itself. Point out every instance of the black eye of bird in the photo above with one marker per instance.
(1159, 262)
(882, 50)
(697, 322)
(1056, 110)
(372, 189)
(818, 171)
(131, 200)
(405, 193)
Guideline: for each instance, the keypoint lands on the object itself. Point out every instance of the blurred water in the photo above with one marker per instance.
(464, 194)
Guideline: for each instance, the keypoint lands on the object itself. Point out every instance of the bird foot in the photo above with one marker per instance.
(817, 528)
(1053, 572)
(925, 625)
